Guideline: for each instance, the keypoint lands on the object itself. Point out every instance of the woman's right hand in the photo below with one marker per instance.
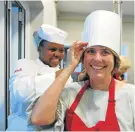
(75, 52)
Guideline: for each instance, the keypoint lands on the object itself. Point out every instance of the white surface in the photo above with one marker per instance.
(2, 68)
(49, 12)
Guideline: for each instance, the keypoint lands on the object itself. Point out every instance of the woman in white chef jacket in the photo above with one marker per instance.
(32, 78)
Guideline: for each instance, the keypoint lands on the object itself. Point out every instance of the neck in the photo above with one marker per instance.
(100, 84)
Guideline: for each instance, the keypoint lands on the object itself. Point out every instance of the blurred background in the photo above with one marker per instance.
(19, 19)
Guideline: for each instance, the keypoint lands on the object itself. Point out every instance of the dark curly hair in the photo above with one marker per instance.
(41, 44)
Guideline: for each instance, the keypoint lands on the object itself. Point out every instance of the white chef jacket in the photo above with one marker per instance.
(30, 78)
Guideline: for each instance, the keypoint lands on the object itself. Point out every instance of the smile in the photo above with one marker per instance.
(98, 67)
(55, 59)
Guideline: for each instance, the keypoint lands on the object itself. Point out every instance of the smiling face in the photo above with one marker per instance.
(98, 62)
(51, 53)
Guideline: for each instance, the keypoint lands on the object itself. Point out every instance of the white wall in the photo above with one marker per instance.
(50, 12)
(38, 16)
(128, 39)
(2, 68)
(36, 20)
(74, 27)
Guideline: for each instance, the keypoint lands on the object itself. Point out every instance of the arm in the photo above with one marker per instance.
(69, 79)
(45, 109)
(58, 124)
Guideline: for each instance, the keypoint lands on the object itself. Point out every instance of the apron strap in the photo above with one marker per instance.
(117, 76)
(79, 96)
(112, 91)
(111, 101)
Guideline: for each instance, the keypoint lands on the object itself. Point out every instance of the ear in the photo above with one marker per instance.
(39, 49)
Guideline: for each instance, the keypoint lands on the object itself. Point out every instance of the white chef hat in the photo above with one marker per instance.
(102, 28)
(51, 34)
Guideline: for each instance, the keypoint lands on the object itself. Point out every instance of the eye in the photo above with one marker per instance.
(105, 52)
(61, 50)
(91, 51)
(52, 49)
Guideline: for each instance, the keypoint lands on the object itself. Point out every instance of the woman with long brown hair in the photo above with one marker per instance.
(100, 104)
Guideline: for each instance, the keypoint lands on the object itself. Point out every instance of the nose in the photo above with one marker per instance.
(98, 57)
(57, 53)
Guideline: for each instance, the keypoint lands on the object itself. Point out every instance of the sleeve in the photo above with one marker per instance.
(25, 84)
(37, 128)
(133, 105)
(131, 97)
(62, 106)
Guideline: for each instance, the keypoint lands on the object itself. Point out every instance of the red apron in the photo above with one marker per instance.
(117, 76)
(74, 123)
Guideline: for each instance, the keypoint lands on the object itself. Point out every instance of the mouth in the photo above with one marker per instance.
(98, 67)
(55, 59)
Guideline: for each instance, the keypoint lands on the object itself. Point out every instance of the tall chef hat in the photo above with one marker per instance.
(102, 28)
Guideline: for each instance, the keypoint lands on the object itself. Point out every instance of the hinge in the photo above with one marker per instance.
(9, 5)
(21, 16)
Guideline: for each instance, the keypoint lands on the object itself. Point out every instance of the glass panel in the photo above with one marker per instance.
(14, 36)
(15, 42)
(17, 35)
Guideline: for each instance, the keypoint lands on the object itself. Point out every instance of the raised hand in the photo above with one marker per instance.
(75, 52)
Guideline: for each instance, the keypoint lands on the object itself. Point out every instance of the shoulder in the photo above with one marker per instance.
(25, 65)
(74, 87)
(24, 62)
(124, 85)
(71, 90)
(127, 87)
(128, 90)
